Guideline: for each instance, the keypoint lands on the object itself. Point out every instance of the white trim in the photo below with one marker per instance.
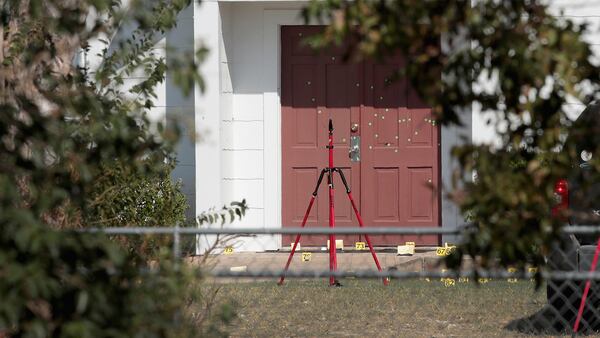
(207, 32)
(272, 22)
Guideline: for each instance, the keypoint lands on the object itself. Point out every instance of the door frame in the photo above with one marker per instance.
(273, 19)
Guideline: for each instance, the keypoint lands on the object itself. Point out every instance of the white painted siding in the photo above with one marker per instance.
(246, 88)
(242, 117)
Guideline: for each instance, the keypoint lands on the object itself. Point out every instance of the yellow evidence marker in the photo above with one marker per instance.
(447, 280)
(483, 280)
(532, 271)
(360, 245)
(228, 250)
(306, 256)
(339, 244)
(449, 248)
(512, 280)
(446, 250)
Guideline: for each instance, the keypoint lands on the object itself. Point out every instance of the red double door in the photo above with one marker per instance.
(395, 183)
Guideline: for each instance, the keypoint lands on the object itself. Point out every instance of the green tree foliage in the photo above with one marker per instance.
(530, 61)
(75, 285)
(62, 128)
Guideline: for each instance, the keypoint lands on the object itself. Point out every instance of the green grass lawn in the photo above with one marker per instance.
(406, 308)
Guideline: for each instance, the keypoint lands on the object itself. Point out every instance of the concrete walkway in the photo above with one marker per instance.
(319, 261)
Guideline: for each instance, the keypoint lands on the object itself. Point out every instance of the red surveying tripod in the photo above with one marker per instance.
(332, 247)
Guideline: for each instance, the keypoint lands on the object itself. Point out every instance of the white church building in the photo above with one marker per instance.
(263, 116)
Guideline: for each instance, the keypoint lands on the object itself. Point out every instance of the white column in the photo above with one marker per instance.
(272, 22)
(207, 33)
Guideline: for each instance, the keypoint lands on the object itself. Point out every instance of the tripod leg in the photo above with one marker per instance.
(310, 204)
(360, 222)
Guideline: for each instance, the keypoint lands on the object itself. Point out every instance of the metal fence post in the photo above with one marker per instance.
(176, 240)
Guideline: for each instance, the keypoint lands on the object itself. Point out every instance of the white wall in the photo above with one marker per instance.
(250, 123)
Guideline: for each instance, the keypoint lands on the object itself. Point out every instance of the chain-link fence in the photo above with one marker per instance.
(240, 258)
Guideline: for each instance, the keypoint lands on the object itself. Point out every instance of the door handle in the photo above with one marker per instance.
(354, 127)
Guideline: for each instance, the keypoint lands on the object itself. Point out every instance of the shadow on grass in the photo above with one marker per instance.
(548, 321)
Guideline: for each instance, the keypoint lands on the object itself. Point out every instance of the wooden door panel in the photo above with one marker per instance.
(336, 93)
(305, 133)
(303, 185)
(386, 185)
(342, 105)
(395, 183)
(304, 85)
(420, 194)
(316, 87)
(301, 121)
(421, 129)
(400, 152)
(386, 133)
(344, 215)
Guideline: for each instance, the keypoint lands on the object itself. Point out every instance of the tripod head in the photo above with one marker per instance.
(330, 126)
